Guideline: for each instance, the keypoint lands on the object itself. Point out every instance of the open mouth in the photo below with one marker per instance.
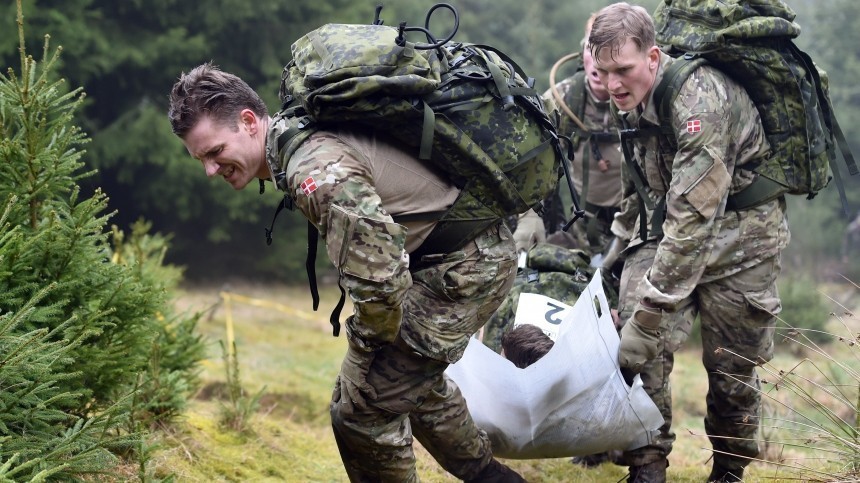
(228, 173)
(621, 97)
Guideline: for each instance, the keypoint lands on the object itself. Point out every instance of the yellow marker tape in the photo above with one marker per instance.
(270, 305)
(229, 297)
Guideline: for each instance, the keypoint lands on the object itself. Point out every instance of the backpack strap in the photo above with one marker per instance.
(626, 135)
(667, 90)
(832, 125)
(580, 134)
(760, 191)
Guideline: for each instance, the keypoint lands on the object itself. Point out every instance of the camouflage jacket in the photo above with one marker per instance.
(718, 129)
(350, 185)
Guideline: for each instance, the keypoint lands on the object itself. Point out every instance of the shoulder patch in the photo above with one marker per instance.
(694, 126)
(308, 186)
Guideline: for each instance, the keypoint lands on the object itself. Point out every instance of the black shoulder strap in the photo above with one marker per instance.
(667, 90)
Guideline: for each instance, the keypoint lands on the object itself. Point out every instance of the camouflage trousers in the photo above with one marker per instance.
(414, 398)
(737, 321)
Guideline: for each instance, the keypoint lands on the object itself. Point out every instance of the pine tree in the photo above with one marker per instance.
(90, 349)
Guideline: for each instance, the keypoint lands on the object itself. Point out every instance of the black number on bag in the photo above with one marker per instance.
(550, 314)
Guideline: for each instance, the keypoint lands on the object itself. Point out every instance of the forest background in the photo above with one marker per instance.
(126, 55)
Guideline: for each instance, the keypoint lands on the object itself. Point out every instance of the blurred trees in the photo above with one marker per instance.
(126, 55)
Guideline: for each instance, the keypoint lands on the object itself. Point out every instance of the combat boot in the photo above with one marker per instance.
(722, 475)
(496, 472)
(654, 472)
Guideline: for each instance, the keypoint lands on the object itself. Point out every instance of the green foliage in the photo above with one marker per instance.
(127, 55)
(236, 413)
(86, 329)
(173, 357)
(39, 438)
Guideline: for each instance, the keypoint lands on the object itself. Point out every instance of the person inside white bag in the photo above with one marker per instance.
(571, 401)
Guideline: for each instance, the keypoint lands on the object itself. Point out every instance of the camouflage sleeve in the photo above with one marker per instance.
(551, 105)
(335, 191)
(697, 190)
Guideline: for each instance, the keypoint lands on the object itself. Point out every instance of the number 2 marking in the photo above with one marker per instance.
(550, 314)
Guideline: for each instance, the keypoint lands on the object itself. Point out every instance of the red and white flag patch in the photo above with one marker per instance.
(694, 126)
(308, 186)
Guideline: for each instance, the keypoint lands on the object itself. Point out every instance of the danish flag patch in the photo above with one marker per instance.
(694, 126)
(308, 186)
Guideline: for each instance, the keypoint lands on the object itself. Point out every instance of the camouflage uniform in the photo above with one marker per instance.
(411, 317)
(600, 191)
(550, 270)
(719, 264)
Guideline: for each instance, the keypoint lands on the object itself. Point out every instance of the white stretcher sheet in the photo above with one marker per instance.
(573, 401)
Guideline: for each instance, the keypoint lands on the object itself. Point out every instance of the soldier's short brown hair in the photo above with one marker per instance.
(617, 23)
(525, 344)
(207, 90)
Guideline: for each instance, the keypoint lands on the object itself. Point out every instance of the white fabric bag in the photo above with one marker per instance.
(573, 401)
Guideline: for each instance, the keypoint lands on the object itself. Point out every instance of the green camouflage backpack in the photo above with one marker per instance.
(751, 41)
(467, 108)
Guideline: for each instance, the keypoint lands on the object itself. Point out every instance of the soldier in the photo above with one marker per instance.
(713, 260)
(596, 167)
(412, 316)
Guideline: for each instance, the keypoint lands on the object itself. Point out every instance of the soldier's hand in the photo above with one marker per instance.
(640, 338)
(354, 389)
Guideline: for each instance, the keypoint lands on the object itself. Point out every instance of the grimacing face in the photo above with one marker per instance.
(629, 74)
(238, 155)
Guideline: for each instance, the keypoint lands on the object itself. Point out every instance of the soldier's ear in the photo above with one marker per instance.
(249, 121)
(653, 57)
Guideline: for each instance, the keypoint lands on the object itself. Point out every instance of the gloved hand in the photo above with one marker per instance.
(640, 338)
(352, 380)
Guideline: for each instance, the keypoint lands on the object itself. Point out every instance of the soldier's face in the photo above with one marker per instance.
(597, 87)
(234, 152)
(628, 74)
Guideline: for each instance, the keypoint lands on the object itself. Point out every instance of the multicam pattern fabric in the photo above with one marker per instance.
(751, 42)
(717, 264)
(409, 324)
(599, 189)
(701, 242)
(467, 112)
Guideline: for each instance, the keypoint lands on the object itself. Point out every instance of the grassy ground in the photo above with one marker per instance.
(290, 358)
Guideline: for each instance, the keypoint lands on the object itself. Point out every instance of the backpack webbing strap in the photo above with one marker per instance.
(849, 162)
(447, 237)
(310, 267)
(578, 94)
(667, 90)
(501, 83)
(577, 103)
(833, 125)
(428, 129)
(321, 49)
(760, 191)
(625, 135)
